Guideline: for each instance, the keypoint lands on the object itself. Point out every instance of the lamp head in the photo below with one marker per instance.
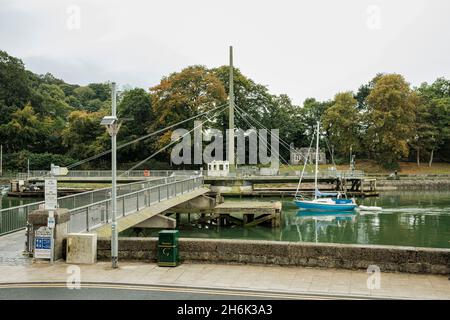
(108, 120)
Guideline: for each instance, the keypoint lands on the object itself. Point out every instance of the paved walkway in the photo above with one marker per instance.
(11, 248)
(249, 278)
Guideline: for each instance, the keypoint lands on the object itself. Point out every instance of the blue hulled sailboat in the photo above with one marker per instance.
(323, 201)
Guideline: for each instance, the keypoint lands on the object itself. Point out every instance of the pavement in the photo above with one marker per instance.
(21, 278)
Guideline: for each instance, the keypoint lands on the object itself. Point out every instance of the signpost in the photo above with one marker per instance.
(44, 236)
(43, 243)
(51, 193)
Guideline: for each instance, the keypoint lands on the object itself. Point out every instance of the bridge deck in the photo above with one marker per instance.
(131, 220)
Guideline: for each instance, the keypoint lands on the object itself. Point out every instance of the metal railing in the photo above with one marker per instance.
(96, 214)
(323, 174)
(107, 173)
(15, 218)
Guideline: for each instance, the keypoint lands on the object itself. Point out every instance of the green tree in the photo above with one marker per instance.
(83, 135)
(135, 104)
(24, 131)
(391, 109)
(15, 89)
(364, 91)
(252, 98)
(85, 95)
(102, 91)
(436, 117)
(50, 100)
(341, 122)
(311, 112)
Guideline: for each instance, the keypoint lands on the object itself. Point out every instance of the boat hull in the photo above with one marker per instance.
(311, 205)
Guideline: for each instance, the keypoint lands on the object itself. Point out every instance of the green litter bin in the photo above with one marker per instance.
(168, 255)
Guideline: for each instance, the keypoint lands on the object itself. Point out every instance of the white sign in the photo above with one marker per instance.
(51, 222)
(59, 171)
(51, 194)
(43, 243)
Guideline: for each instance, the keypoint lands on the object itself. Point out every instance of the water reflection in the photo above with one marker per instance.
(414, 218)
(322, 220)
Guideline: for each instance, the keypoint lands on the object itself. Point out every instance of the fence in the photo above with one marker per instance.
(15, 218)
(96, 214)
(107, 173)
(324, 174)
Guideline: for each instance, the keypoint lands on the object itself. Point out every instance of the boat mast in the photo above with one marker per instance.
(317, 162)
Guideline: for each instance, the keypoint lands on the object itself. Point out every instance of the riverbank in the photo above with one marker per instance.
(410, 183)
(371, 167)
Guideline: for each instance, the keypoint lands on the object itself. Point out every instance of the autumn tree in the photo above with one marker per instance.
(391, 110)
(182, 95)
(341, 121)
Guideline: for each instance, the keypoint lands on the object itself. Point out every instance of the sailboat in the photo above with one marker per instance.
(323, 201)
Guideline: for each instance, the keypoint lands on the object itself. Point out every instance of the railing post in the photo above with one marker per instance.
(87, 219)
(123, 206)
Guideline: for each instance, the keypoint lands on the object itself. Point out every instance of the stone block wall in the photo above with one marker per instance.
(388, 258)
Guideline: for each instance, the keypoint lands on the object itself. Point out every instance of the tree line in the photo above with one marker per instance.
(47, 120)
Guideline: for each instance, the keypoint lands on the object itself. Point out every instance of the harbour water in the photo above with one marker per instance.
(7, 202)
(409, 218)
(412, 218)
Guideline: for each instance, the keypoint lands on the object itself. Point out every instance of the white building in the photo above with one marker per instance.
(297, 156)
(218, 168)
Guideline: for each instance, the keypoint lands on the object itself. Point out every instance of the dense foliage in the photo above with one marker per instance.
(47, 120)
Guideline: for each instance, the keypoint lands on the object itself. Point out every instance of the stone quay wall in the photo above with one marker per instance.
(345, 256)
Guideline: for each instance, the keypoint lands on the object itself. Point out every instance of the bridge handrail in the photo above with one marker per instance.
(107, 173)
(15, 218)
(93, 215)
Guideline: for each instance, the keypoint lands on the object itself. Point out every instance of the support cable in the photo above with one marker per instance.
(141, 138)
(167, 146)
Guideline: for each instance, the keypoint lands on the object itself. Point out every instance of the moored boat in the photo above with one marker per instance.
(323, 201)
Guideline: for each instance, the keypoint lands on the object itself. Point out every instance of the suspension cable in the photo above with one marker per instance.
(167, 146)
(261, 137)
(141, 138)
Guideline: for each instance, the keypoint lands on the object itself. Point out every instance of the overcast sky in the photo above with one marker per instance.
(301, 48)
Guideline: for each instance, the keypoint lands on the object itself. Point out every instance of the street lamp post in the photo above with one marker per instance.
(112, 125)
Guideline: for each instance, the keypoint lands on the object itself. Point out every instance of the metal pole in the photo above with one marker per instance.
(317, 162)
(28, 168)
(114, 236)
(350, 157)
(231, 114)
(1, 160)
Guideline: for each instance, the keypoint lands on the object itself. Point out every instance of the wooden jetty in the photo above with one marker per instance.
(232, 213)
(253, 213)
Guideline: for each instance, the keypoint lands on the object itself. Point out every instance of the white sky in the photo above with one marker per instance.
(301, 48)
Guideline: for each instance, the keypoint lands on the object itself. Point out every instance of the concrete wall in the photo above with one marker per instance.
(413, 184)
(388, 258)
